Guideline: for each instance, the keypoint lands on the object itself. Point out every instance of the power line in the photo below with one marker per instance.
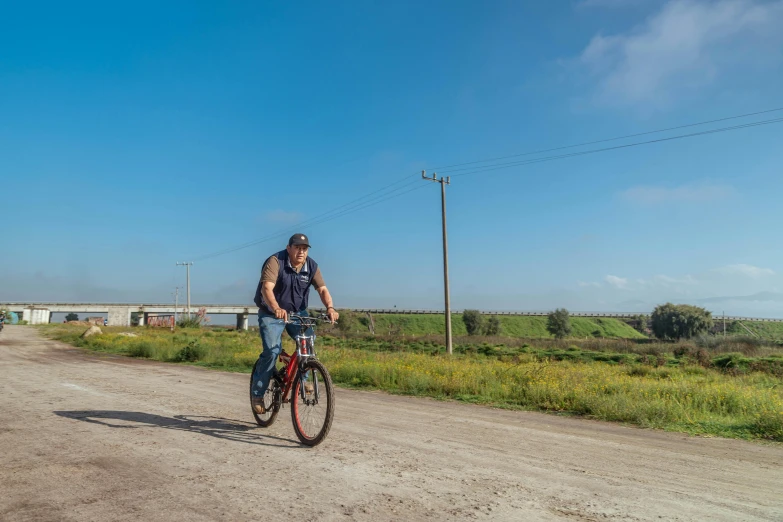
(499, 166)
(383, 194)
(307, 222)
(442, 169)
(314, 221)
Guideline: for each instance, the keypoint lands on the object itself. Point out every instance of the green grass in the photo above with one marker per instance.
(680, 387)
(688, 399)
(529, 327)
(229, 350)
(730, 357)
(766, 330)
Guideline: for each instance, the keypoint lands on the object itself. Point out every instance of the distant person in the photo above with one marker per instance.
(284, 287)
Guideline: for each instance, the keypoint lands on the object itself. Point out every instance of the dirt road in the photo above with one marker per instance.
(95, 437)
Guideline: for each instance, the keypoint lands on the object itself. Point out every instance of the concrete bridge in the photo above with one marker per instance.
(119, 314)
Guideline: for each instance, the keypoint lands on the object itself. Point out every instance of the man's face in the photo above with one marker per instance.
(297, 254)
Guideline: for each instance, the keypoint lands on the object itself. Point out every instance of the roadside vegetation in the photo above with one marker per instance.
(706, 385)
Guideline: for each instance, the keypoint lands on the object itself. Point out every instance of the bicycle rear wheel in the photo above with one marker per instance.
(271, 406)
(312, 403)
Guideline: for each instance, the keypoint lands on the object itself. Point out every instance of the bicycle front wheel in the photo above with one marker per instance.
(312, 403)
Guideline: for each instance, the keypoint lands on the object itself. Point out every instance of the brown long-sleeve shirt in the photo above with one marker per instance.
(272, 268)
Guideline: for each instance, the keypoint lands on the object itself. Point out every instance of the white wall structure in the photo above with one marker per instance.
(119, 316)
(242, 321)
(37, 315)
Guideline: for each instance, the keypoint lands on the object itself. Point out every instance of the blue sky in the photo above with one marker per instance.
(132, 137)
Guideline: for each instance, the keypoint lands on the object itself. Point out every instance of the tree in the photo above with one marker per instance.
(72, 317)
(670, 321)
(641, 324)
(473, 321)
(493, 326)
(559, 323)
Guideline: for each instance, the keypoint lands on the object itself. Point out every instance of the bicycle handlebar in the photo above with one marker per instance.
(307, 320)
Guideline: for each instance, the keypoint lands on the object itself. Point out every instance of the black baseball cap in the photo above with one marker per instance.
(299, 239)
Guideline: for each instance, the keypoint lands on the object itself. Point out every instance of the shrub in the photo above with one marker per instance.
(188, 322)
(559, 323)
(473, 321)
(639, 371)
(190, 353)
(195, 320)
(681, 350)
(347, 321)
(72, 317)
(493, 326)
(143, 349)
(671, 321)
(731, 361)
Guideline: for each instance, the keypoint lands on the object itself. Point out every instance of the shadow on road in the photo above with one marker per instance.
(227, 429)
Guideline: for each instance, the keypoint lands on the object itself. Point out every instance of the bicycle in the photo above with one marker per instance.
(312, 407)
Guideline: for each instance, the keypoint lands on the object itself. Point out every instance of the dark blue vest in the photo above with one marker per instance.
(292, 290)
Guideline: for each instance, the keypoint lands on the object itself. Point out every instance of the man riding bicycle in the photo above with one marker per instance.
(284, 287)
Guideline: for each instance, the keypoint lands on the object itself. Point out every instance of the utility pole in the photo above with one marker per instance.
(443, 182)
(188, 265)
(176, 302)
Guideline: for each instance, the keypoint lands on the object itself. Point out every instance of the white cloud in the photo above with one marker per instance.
(698, 193)
(281, 216)
(745, 270)
(666, 280)
(617, 282)
(686, 45)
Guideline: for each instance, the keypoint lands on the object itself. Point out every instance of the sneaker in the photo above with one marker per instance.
(258, 405)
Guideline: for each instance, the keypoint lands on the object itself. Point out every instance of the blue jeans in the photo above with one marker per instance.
(271, 331)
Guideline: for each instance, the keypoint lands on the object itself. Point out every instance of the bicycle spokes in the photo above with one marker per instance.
(312, 407)
(271, 404)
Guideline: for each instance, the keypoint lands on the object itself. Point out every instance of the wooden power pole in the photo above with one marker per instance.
(443, 182)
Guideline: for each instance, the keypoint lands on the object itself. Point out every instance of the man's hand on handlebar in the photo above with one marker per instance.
(332, 314)
(281, 314)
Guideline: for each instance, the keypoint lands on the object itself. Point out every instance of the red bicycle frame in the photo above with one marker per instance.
(304, 349)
